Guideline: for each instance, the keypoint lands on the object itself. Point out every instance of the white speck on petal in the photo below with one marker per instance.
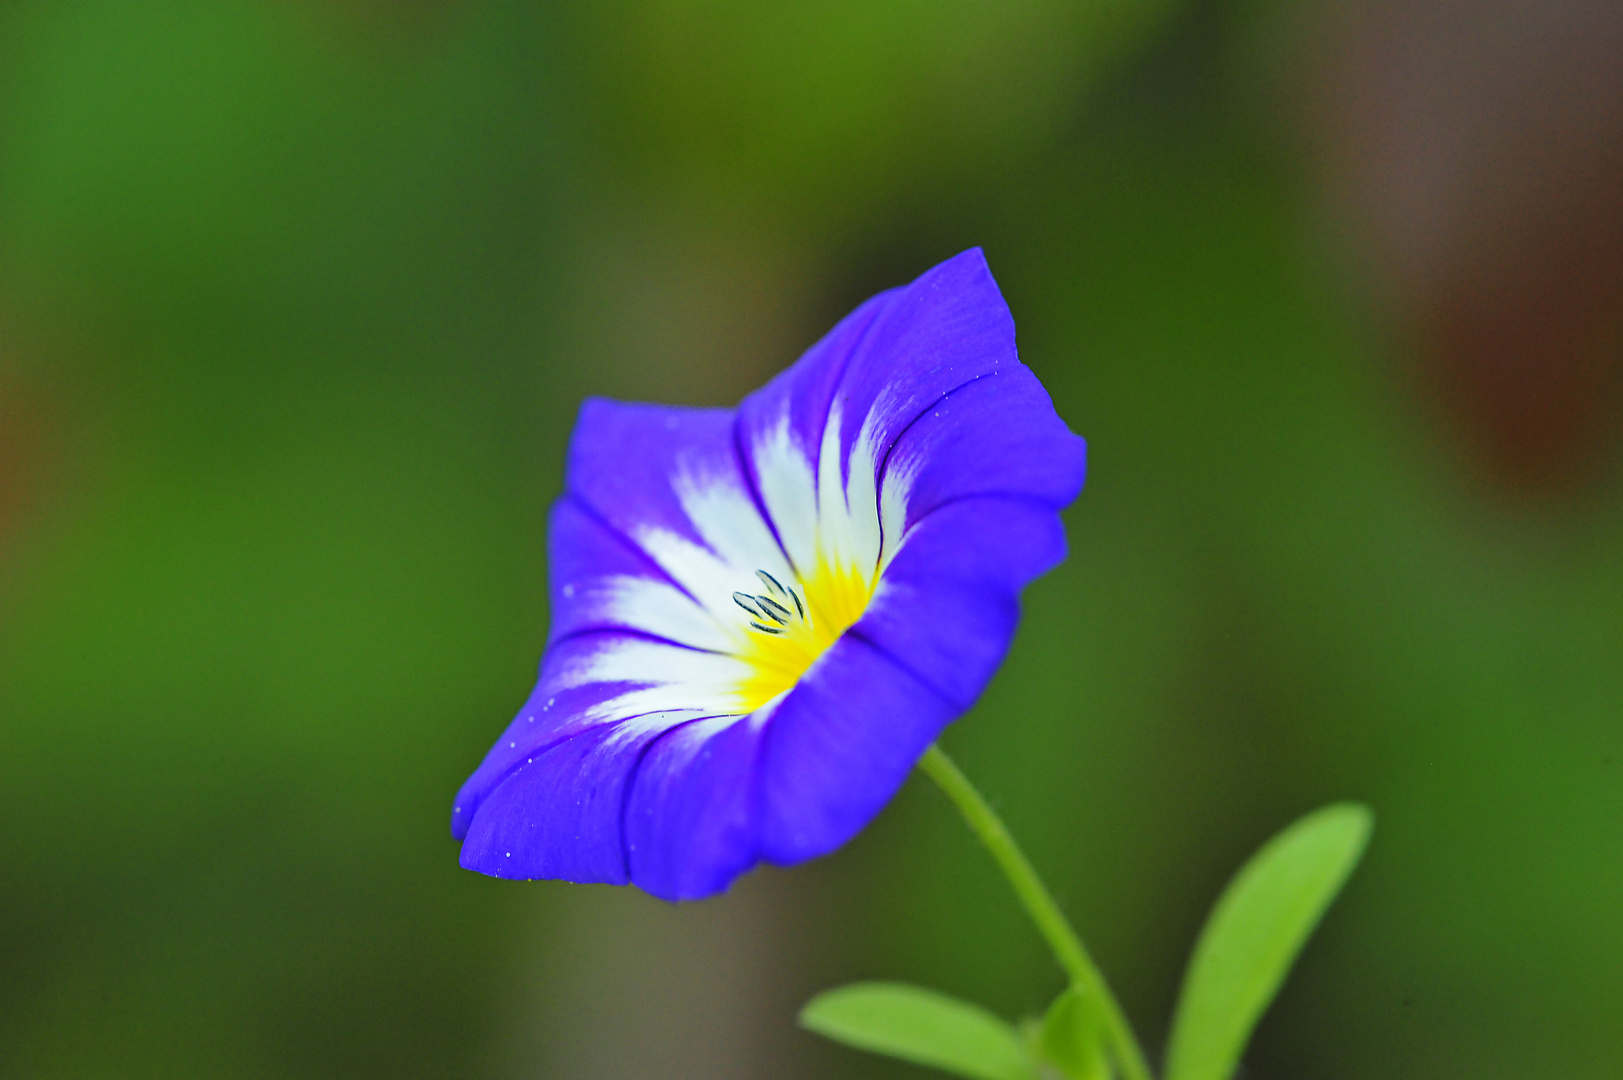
(569, 591)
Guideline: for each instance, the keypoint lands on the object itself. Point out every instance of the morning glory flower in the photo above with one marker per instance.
(762, 616)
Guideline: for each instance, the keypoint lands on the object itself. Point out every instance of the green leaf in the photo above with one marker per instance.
(1072, 1037)
(1253, 935)
(921, 1026)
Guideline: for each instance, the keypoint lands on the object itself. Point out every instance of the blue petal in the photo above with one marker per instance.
(601, 580)
(804, 392)
(583, 552)
(563, 706)
(894, 357)
(838, 747)
(669, 484)
(623, 459)
(948, 605)
(690, 824)
(625, 462)
(945, 330)
(559, 816)
(998, 435)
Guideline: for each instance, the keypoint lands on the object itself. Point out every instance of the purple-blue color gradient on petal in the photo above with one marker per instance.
(681, 804)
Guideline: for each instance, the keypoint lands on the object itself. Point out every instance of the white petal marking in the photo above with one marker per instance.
(836, 523)
(833, 512)
(726, 517)
(899, 474)
(862, 498)
(637, 723)
(638, 660)
(705, 576)
(789, 490)
(838, 512)
(667, 684)
(657, 608)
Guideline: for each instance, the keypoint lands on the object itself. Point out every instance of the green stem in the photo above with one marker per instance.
(1068, 948)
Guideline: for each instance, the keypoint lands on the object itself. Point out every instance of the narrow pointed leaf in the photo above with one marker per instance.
(1253, 935)
(921, 1026)
(1072, 1037)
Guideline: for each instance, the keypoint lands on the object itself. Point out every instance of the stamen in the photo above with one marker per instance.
(767, 610)
(777, 611)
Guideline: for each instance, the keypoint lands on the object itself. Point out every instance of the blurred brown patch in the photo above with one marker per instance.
(18, 431)
(1527, 345)
(16, 446)
(1480, 147)
(34, 425)
(10, 469)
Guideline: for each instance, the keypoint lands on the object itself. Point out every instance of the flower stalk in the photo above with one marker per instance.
(1039, 903)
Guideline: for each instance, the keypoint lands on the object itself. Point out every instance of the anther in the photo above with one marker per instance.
(771, 582)
(747, 602)
(766, 629)
(777, 611)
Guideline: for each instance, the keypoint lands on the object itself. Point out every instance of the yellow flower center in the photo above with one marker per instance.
(791, 624)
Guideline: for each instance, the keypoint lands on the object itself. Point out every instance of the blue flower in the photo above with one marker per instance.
(762, 616)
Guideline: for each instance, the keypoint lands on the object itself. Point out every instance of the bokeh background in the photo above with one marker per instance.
(298, 298)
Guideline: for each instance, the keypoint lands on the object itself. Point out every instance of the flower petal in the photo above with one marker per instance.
(911, 444)
(559, 815)
(601, 580)
(945, 330)
(948, 604)
(600, 680)
(818, 435)
(998, 435)
(668, 481)
(690, 825)
(781, 427)
(623, 457)
(837, 748)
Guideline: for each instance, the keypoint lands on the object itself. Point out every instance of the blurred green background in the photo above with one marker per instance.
(297, 300)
